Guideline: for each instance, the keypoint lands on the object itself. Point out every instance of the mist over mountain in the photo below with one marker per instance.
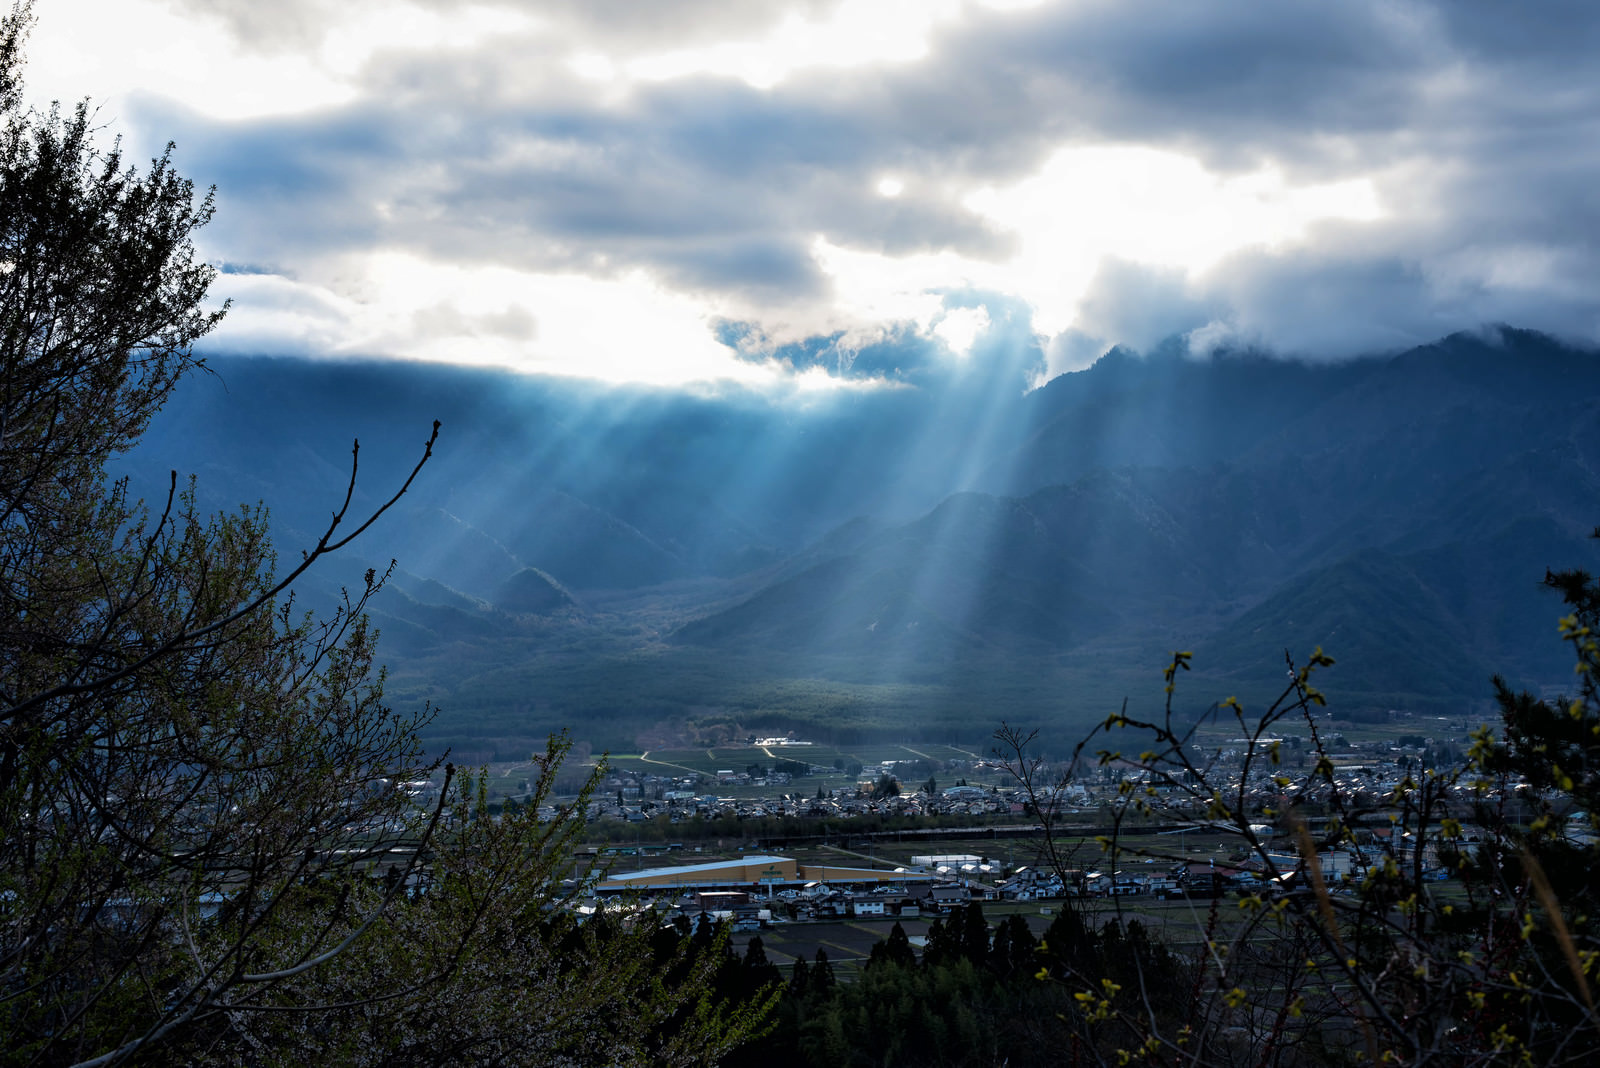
(658, 563)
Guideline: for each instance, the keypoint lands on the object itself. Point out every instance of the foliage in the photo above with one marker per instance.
(486, 959)
(974, 997)
(208, 850)
(1384, 963)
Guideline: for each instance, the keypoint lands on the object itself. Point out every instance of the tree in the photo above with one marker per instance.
(942, 944)
(822, 978)
(1014, 946)
(894, 950)
(949, 1011)
(974, 932)
(207, 849)
(1379, 965)
(758, 970)
(799, 978)
(490, 962)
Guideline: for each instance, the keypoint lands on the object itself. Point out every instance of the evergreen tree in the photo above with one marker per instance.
(1012, 953)
(974, 933)
(758, 971)
(894, 950)
(943, 945)
(822, 977)
(799, 979)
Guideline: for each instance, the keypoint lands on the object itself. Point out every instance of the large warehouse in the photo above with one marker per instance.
(753, 871)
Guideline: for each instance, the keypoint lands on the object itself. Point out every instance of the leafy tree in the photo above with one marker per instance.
(490, 962)
(1553, 747)
(207, 850)
(1381, 965)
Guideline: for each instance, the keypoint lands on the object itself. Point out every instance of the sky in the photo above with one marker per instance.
(845, 193)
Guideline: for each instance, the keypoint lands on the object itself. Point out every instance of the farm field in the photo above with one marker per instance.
(917, 760)
(738, 757)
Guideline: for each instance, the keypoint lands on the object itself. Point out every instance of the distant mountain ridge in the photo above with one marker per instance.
(1398, 511)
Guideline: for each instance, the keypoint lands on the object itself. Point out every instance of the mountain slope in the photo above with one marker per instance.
(575, 553)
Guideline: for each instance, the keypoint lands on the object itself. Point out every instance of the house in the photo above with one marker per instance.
(1160, 883)
(833, 906)
(1016, 890)
(1334, 863)
(943, 897)
(868, 905)
(1199, 881)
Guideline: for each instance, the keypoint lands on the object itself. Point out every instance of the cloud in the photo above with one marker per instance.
(970, 340)
(1350, 300)
(513, 323)
(277, 27)
(1310, 177)
(1133, 305)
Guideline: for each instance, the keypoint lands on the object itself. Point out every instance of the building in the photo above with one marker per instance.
(764, 874)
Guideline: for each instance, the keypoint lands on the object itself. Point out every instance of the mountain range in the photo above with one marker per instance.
(928, 558)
